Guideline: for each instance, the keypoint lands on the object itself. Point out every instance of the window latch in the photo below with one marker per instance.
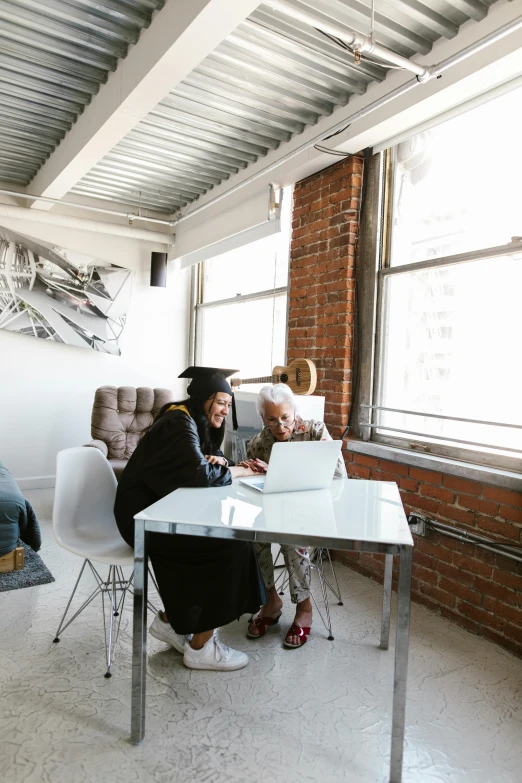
(420, 446)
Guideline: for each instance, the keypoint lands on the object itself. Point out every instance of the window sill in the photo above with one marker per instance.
(486, 475)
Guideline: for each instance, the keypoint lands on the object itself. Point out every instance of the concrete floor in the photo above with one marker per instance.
(318, 713)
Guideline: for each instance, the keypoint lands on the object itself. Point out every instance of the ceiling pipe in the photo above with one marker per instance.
(435, 71)
(13, 212)
(130, 216)
(361, 44)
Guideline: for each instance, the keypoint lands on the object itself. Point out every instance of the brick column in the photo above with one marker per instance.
(322, 284)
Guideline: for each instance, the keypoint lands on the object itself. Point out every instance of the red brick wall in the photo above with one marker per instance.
(324, 235)
(474, 588)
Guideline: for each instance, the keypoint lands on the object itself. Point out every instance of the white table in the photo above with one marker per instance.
(363, 516)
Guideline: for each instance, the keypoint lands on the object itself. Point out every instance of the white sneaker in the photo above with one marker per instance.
(215, 656)
(166, 633)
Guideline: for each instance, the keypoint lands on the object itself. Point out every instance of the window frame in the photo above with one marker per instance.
(198, 305)
(376, 227)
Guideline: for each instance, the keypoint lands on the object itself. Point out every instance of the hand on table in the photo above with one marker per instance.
(256, 465)
(241, 471)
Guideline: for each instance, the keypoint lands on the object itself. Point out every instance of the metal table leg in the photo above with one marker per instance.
(386, 602)
(139, 634)
(401, 664)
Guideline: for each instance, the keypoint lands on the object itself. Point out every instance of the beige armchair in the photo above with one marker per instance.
(120, 415)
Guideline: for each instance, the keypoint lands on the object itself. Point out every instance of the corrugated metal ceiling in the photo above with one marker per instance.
(54, 55)
(267, 81)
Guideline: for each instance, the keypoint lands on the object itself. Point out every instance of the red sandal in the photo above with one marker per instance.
(261, 623)
(302, 631)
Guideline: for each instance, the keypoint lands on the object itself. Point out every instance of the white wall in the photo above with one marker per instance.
(47, 389)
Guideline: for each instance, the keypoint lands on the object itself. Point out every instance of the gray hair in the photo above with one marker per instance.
(275, 394)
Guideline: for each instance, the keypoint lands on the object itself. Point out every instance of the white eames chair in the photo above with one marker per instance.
(84, 523)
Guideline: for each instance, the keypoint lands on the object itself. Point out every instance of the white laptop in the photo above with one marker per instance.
(298, 466)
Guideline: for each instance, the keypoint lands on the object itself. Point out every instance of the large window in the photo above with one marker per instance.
(242, 305)
(448, 368)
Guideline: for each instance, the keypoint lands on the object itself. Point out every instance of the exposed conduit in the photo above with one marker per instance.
(361, 44)
(13, 212)
(507, 550)
(130, 216)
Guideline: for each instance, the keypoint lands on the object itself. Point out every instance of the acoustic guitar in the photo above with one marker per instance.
(300, 375)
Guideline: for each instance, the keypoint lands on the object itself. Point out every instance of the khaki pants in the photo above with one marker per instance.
(297, 561)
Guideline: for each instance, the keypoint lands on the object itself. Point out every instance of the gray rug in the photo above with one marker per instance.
(35, 572)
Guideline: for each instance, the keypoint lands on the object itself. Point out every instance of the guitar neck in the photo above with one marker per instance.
(261, 379)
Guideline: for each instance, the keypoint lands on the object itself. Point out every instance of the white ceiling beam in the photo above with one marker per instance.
(178, 39)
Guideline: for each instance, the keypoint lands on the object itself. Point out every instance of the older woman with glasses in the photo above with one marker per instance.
(277, 408)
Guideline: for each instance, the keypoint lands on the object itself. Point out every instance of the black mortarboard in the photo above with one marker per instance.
(210, 380)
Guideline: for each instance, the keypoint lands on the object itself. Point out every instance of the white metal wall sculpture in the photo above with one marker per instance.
(61, 295)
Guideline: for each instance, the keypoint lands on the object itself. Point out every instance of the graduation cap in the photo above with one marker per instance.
(210, 380)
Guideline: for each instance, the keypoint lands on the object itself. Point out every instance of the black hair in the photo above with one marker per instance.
(210, 438)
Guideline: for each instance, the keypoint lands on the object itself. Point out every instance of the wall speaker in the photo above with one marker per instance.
(158, 269)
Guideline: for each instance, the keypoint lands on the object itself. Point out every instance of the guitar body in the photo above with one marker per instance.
(300, 375)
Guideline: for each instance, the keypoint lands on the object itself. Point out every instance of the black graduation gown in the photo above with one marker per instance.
(204, 583)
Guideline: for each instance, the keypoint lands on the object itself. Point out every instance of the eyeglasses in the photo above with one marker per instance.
(286, 421)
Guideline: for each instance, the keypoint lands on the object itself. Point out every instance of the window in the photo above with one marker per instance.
(242, 305)
(448, 369)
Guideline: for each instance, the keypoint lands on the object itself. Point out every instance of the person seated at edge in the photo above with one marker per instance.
(203, 582)
(277, 407)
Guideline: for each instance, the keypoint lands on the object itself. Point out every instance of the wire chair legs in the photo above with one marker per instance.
(317, 559)
(317, 563)
(113, 591)
(335, 589)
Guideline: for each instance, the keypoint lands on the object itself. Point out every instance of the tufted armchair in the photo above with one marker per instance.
(119, 417)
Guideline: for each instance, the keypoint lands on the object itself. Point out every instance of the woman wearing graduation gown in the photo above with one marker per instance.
(203, 582)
